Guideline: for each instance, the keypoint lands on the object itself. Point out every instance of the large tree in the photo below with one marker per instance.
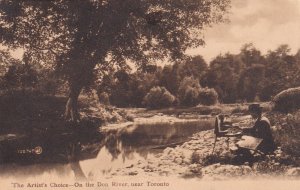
(250, 55)
(223, 75)
(252, 76)
(281, 71)
(77, 35)
(251, 82)
(196, 67)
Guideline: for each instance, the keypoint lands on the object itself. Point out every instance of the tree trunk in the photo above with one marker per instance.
(71, 111)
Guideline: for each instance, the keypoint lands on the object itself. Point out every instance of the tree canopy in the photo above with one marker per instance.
(89, 30)
(76, 35)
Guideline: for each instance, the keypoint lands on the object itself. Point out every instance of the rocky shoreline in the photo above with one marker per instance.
(194, 159)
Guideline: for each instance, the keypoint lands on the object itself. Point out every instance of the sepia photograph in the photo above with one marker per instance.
(149, 94)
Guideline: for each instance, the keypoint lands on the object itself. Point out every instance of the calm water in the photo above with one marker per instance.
(81, 153)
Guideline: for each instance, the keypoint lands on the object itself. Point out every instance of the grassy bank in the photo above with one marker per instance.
(286, 132)
(24, 111)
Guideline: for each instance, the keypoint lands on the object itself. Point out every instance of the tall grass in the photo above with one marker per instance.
(286, 132)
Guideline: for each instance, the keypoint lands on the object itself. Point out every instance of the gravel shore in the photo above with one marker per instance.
(194, 159)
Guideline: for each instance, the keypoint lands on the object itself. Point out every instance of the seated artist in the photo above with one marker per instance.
(262, 130)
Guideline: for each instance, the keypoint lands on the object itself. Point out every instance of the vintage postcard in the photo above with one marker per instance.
(149, 94)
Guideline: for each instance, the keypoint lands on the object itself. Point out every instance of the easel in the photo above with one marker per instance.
(221, 130)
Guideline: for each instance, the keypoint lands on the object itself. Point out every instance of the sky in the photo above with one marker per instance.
(265, 23)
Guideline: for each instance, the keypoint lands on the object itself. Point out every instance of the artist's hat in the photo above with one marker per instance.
(254, 108)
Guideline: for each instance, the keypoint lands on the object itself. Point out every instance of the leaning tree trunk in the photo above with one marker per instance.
(82, 74)
(71, 110)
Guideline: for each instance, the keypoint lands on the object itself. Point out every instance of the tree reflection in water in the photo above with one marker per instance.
(86, 149)
(65, 149)
(58, 149)
(74, 158)
(89, 150)
(113, 145)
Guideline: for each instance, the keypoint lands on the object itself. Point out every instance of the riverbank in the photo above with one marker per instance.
(194, 159)
(175, 142)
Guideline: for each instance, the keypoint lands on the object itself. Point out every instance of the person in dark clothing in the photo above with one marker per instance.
(261, 129)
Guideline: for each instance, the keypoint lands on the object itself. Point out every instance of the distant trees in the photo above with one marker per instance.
(188, 92)
(195, 67)
(80, 39)
(250, 76)
(22, 76)
(172, 75)
(128, 89)
(170, 78)
(181, 80)
(159, 97)
(223, 75)
(282, 71)
(250, 55)
(19, 75)
(208, 96)
(251, 82)
(76, 37)
(246, 77)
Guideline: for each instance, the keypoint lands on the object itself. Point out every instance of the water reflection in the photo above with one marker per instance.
(86, 153)
(36, 154)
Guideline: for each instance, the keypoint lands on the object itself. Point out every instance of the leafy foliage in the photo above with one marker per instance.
(188, 92)
(208, 96)
(251, 56)
(286, 132)
(251, 82)
(18, 75)
(81, 34)
(282, 71)
(251, 76)
(125, 89)
(223, 75)
(104, 98)
(81, 39)
(170, 78)
(75, 36)
(159, 97)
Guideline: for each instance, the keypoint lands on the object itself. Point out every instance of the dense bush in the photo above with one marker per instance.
(286, 131)
(188, 92)
(158, 97)
(29, 78)
(287, 100)
(190, 97)
(20, 76)
(24, 109)
(208, 96)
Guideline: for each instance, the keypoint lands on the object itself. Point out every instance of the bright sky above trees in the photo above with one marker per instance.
(265, 23)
